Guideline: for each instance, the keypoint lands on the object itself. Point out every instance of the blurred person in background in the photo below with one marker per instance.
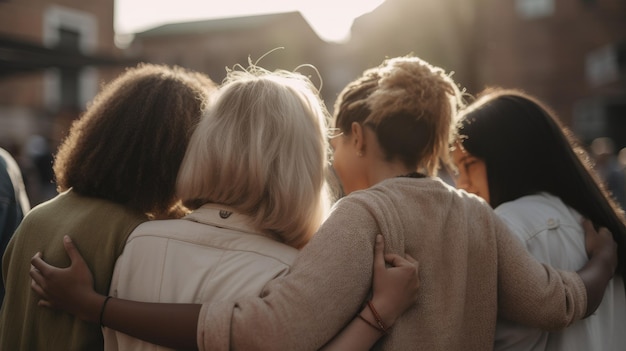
(513, 152)
(609, 168)
(14, 203)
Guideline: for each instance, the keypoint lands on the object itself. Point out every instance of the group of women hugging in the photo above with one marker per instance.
(193, 215)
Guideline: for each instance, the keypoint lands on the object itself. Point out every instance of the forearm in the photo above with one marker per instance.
(170, 325)
(596, 274)
(364, 330)
(358, 335)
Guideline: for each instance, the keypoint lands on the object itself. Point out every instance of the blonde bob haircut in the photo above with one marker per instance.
(261, 149)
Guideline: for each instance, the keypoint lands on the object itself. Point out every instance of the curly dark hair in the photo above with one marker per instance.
(128, 145)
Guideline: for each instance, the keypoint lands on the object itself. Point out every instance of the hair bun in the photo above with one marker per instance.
(411, 85)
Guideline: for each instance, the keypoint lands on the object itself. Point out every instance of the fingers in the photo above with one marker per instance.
(38, 289)
(37, 281)
(410, 258)
(588, 226)
(38, 263)
(71, 250)
(397, 260)
(605, 232)
(44, 303)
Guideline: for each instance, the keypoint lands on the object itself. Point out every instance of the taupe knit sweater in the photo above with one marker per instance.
(471, 268)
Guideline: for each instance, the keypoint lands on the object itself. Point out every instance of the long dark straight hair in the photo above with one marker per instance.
(527, 150)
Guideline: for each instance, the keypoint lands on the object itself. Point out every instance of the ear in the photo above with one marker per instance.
(359, 137)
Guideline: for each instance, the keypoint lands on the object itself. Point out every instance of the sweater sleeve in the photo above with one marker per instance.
(303, 310)
(532, 293)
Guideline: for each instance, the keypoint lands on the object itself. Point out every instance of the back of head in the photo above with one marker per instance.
(410, 104)
(527, 150)
(128, 145)
(261, 149)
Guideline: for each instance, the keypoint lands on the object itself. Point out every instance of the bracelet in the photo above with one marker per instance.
(102, 309)
(379, 320)
(371, 324)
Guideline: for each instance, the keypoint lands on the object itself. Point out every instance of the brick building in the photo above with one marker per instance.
(210, 46)
(571, 54)
(53, 57)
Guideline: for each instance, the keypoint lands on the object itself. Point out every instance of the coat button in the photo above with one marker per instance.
(553, 223)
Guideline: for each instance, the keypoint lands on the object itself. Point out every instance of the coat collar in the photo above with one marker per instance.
(223, 216)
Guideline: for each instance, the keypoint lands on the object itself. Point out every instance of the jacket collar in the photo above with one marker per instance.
(223, 216)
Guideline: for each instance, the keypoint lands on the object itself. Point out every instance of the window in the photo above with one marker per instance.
(69, 42)
(74, 31)
(530, 9)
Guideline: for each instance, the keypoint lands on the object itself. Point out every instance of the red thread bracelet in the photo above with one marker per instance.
(371, 324)
(379, 320)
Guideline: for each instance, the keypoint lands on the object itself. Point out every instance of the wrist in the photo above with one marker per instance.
(385, 310)
(384, 323)
(607, 258)
(93, 308)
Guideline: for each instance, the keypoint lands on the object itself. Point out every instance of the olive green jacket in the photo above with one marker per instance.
(99, 229)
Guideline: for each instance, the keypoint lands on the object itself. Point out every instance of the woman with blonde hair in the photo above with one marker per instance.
(393, 125)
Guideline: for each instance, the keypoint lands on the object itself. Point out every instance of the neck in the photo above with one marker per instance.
(385, 170)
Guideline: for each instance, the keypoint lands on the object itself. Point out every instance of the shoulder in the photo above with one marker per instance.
(533, 214)
(422, 189)
(206, 237)
(538, 206)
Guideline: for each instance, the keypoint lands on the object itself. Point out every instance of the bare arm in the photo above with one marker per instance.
(598, 271)
(71, 289)
(328, 282)
(395, 290)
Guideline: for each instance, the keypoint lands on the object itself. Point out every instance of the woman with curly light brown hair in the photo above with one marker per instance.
(115, 170)
(393, 125)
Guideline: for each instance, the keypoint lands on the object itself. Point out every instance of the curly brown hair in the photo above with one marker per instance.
(410, 104)
(128, 145)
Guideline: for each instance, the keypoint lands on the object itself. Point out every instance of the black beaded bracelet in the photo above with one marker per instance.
(102, 309)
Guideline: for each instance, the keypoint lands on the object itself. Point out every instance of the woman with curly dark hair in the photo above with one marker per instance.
(115, 170)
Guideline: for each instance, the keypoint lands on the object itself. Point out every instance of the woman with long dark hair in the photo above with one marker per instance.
(514, 153)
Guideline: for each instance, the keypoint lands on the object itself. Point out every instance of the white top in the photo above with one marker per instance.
(552, 232)
(210, 255)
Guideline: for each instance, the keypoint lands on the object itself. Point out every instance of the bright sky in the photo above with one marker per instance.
(331, 19)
